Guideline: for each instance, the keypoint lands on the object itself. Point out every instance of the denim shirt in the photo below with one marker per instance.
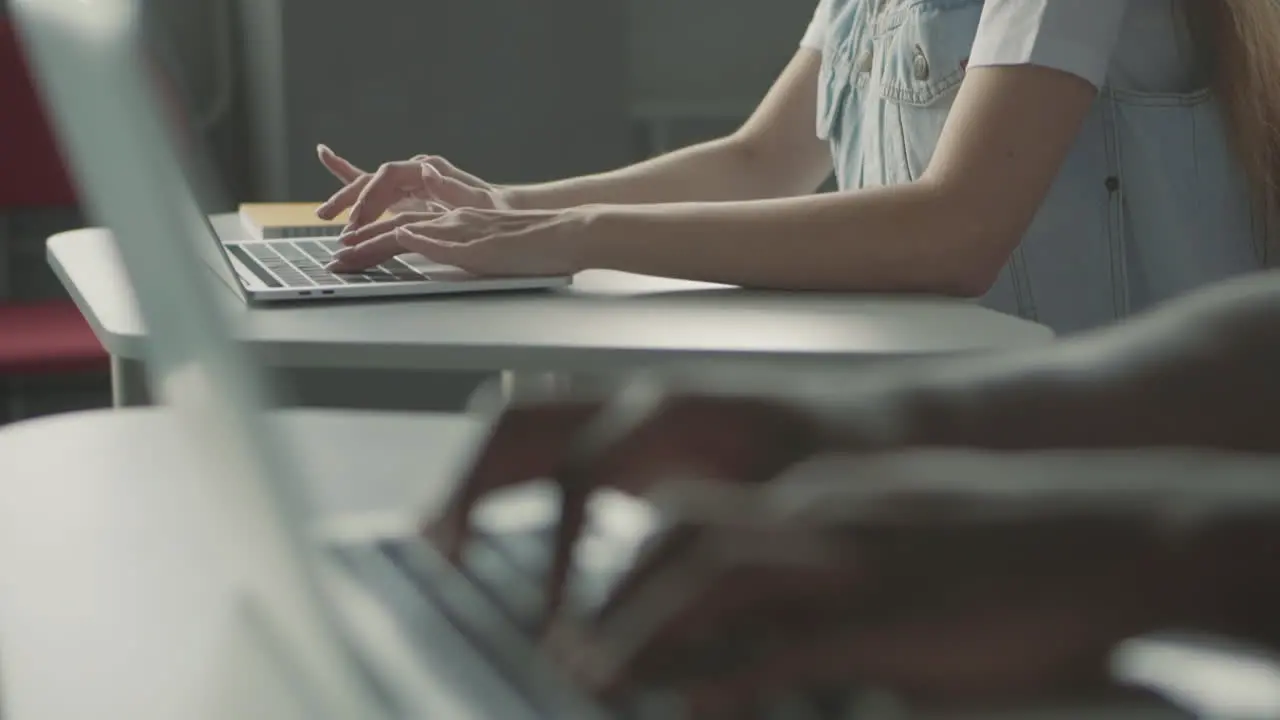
(1149, 204)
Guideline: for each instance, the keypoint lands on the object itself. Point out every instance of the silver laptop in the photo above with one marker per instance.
(286, 269)
(293, 270)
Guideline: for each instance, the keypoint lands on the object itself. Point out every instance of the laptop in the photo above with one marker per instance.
(281, 269)
(293, 269)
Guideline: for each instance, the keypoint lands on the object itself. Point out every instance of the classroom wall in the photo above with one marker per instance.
(723, 51)
(517, 91)
(528, 90)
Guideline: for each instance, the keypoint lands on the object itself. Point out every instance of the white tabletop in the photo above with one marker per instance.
(106, 608)
(605, 321)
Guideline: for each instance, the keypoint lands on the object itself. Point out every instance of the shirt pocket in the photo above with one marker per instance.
(1185, 216)
(922, 54)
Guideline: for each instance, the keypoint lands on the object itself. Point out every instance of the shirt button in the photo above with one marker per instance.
(920, 64)
(864, 61)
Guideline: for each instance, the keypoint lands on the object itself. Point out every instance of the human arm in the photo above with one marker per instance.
(1198, 371)
(950, 232)
(774, 154)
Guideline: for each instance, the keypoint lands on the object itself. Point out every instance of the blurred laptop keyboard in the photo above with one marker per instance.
(498, 607)
(495, 600)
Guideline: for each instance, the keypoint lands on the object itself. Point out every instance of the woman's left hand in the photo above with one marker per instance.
(479, 241)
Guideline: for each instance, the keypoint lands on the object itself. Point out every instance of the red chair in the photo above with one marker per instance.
(46, 337)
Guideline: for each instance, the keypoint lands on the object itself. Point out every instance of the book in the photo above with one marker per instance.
(278, 221)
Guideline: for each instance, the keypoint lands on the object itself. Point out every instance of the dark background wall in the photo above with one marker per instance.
(513, 90)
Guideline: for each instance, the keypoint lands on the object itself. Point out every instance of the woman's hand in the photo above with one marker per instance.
(421, 183)
(479, 241)
(730, 616)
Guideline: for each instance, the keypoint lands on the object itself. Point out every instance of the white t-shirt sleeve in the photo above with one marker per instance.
(1074, 36)
(816, 35)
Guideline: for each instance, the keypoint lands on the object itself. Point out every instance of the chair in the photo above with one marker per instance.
(47, 337)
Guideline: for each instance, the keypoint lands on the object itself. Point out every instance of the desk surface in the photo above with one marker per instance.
(605, 321)
(108, 607)
(101, 572)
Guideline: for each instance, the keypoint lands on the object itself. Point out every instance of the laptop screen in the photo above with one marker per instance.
(175, 89)
(171, 85)
(249, 512)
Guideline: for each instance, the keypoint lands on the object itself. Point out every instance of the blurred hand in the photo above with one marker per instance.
(421, 183)
(732, 607)
(730, 616)
(482, 242)
(726, 439)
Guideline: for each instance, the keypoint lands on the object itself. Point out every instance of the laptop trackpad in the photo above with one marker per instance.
(435, 271)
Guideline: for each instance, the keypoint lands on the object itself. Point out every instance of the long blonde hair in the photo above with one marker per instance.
(1246, 45)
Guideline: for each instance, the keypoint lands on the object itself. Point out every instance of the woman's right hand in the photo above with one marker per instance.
(423, 183)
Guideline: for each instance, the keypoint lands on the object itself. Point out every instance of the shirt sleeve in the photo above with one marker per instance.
(816, 36)
(1074, 36)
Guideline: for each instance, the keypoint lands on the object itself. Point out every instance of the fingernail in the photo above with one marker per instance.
(322, 148)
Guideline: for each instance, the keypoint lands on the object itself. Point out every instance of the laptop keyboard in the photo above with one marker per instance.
(300, 263)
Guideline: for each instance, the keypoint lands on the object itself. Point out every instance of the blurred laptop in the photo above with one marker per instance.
(366, 625)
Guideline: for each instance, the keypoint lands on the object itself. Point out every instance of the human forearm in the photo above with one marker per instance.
(908, 238)
(724, 169)
(1199, 372)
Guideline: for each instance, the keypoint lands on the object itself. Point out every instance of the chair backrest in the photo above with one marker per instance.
(32, 173)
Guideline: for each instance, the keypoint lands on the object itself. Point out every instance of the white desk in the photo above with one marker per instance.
(106, 608)
(607, 322)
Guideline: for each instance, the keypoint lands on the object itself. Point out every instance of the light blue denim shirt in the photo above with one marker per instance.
(1149, 204)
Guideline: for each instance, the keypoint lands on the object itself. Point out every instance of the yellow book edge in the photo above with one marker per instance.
(284, 220)
(266, 215)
